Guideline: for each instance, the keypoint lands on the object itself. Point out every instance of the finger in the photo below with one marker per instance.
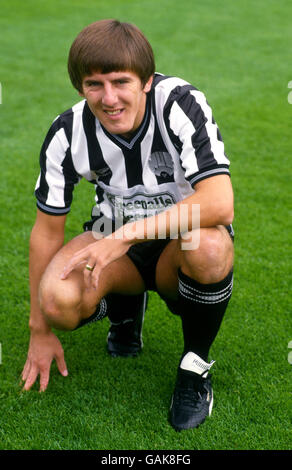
(44, 379)
(25, 370)
(45, 375)
(78, 258)
(31, 378)
(95, 276)
(73, 264)
(61, 364)
(88, 271)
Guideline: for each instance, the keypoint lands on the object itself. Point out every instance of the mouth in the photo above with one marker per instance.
(114, 113)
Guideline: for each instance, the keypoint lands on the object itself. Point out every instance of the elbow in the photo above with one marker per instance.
(225, 215)
(226, 208)
(229, 217)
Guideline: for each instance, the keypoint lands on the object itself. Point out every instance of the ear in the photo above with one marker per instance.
(148, 84)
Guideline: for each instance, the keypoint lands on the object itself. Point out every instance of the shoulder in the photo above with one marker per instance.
(170, 84)
(64, 121)
(76, 110)
(168, 81)
(168, 89)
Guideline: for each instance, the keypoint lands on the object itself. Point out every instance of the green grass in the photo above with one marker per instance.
(238, 53)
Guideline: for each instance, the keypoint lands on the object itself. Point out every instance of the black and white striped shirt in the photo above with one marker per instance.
(177, 145)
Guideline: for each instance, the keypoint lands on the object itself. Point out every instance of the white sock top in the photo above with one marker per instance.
(194, 363)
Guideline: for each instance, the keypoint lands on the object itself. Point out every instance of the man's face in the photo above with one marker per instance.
(117, 99)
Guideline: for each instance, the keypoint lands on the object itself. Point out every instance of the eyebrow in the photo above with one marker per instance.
(90, 81)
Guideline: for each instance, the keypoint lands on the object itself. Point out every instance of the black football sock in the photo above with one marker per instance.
(117, 307)
(202, 307)
(100, 312)
(124, 307)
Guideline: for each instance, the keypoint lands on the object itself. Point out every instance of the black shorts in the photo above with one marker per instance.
(145, 255)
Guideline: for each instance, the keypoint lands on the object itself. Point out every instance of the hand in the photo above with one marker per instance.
(43, 348)
(97, 255)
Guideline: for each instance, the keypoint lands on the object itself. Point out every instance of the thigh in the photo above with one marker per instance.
(212, 259)
(166, 270)
(121, 276)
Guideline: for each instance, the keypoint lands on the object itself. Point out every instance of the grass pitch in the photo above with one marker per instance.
(238, 53)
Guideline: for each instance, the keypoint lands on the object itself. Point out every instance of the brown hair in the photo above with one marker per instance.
(110, 46)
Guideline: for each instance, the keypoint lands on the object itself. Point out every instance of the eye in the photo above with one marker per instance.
(95, 84)
(92, 84)
(122, 81)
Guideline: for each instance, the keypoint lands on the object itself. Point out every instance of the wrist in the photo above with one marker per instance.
(132, 232)
(39, 327)
(127, 234)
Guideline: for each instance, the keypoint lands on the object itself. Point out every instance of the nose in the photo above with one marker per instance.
(109, 97)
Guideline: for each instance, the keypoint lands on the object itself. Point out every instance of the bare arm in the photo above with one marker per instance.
(212, 201)
(46, 239)
(214, 196)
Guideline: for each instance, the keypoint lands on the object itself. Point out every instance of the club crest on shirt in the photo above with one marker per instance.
(161, 164)
(100, 173)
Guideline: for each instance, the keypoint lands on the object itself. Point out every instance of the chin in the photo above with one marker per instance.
(119, 130)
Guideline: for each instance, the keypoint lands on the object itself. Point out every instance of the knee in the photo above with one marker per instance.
(211, 248)
(59, 305)
(212, 260)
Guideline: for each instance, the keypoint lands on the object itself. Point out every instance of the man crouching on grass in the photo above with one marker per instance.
(151, 148)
